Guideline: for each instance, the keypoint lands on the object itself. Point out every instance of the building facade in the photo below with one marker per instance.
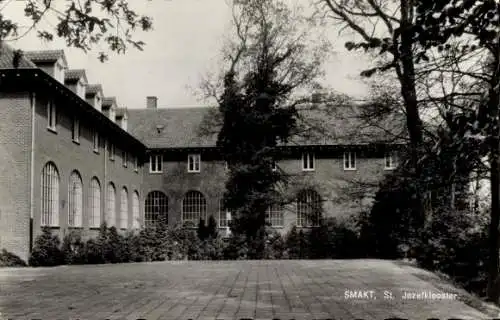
(72, 159)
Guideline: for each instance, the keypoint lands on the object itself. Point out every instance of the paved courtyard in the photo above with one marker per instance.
(229, 290)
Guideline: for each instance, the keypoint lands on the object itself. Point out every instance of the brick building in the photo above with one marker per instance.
(73, 158)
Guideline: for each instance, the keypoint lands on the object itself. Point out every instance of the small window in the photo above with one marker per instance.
(224, 215)
(96, 141)
(111, 152)
(194, 163)
(124, 158)
(75, 134)
(308, 161)
(274, 166)
(136, 164)
(390, 160)
(51, 116)
(155, 163)
(349, 161)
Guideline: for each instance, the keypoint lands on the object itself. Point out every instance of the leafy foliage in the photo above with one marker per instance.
(46, 250)
(83, 24)
(73, 248)
(8, 259)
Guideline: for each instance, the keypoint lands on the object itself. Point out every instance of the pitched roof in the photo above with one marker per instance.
(7, 54)
(46, 56)
(198, 127)
(169, 128)
(73, 75)
(92, 89)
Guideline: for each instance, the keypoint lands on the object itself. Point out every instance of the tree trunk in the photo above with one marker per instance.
(494, 102)
(409, 94)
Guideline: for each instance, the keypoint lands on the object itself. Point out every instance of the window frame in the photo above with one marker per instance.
(226, 213)
(306, 207)
(272, 211)
(155, 204)
(95, 141)
(95, 197)
(110, 214)
(136, 210)
(193, 159)
(50, 188)
(392, 157)
(124, 208)
(308, 161)
(136, 164)
(124, 158)
(75, 201)
(350, 161)
(75, 132)
(51, 116)
(194, 199)
(158, 163)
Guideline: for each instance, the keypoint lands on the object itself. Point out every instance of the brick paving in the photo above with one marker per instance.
(223, 290)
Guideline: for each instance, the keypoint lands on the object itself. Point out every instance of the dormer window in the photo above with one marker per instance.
(80, 89)
(59, 72)
(98, 102)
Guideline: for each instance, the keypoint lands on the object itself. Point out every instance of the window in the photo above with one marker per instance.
(96, 141)
(136, 164)
(75, 200)
(50, 195)
(308, 161)
(136, 216)
(156, 205)
(274, 166)
(274, 215)
(194, 163)
(111, 151)
(224, 215)
(95, 203)
(111, 205)
(124, 209)
(308, 208)
(124, 158)
(155, 163)
(390, 160)
(75, 133)
(349, 161)
(51, 115)
(194, 207)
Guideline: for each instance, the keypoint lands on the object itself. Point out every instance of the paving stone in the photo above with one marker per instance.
(220, 290)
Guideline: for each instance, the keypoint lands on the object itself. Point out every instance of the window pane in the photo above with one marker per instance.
(194, 207)
(156, 204)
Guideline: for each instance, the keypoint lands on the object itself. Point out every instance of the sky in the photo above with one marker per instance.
(183, 47)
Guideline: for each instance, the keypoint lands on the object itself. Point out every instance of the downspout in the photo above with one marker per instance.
(105, 185)
(32, 170)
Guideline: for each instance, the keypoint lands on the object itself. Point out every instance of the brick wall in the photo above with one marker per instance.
(15, 155)
(329, 179)
(68, 156)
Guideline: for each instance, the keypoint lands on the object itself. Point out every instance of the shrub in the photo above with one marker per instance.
(73, 248)
(236, 248)
(8, 259)
(275, 245)
(456, 243)
(212, 230)
(297, 244)
(46, 250)
(93, 252)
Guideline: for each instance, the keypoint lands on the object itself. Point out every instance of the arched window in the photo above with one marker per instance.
(156, 205)
(111, 205)
(135, 211)
(94, 203)
(274, 215)
(194, 207)
(50, 195)
(308, 208)
(124, 209)
(75, 200)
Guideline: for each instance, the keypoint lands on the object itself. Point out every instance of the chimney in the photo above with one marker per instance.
(151, 102)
